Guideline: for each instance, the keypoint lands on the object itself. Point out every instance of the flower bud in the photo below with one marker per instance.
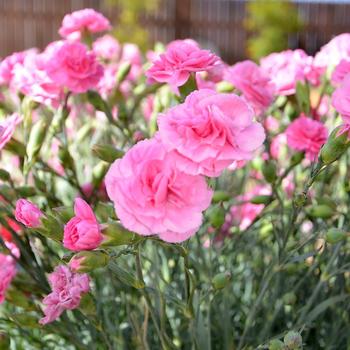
(337, 143)
(300, 200)
(335, 235)
(221, 196)
(123, 72)
(293, 340)
(297, 158)
(115, 234)
(36, 139)
(276, 344)
(261, 199)
(322, 211)
(108, 153)
(217, 216)
(269, 171)
(65, 158)
(28, 213)
(224, 86)
(99, 172)
(221, 280)
(87, 261)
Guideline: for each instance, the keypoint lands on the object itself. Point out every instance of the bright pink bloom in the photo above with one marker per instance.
(82, 232)
(210, 131)
(334, 51)
(341, 100)
(244, 214)
(7, 273)
(107, 47)
(340, 72)
(7, 128)
(28, 213)
(67, 290)
(71, 65)
(253, 83)
(75, 23)
(181, 58)
(306, 134)
(152, 196)
(286, 68)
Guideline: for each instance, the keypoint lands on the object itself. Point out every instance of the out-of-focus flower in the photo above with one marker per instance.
(306, 134)
(7, 273)
(152, 195)
(7, 128)
(67, 290)
(27, 213)
(250, 80)
(181, 58)
(340, 72)
(210, 131)
(277, 144)
(71, 65)
(75, 23)
(82, 232)
(341, 100)
(107, 47)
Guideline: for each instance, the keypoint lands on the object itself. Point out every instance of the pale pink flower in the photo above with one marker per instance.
(253, 83)
(286, 68)
(340, 72)
(306, 134)
(277, 145)
(27, 213)
(71, 65)
(79, 21)
(209, 79)
(334, 51)
(210, 131)
(67, 290)
(107, 48)
(244, 214)
(152, 196)
(82, 232)
(147, 107)
(178, 62)
(341, 100)
(7, 128)
(7, 273)
(131, 53)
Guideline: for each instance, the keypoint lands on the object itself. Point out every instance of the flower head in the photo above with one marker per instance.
(28, 213)
(7, 128)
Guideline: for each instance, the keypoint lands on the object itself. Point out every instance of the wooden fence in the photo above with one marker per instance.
(216, 23)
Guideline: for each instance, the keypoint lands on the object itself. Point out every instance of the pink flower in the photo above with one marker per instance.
(178, 62)
(305, 134)
(278, 144)
(7, 273)
(7, 128)
(255, 86)
(71, 65)
(243, 215)
(340, 72)
(208, 79)
(67, 290)
(107, 47)
(152, 196)
(82, 232)
(27, 213)
(341, 100)
(210, 131)
(334, 51)
(75, 23)
(285, 69)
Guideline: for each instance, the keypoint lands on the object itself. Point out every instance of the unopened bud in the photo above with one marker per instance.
(269, 171)
(276, 344)
(88, 261)
(299, 200)
(322, 211)
(123, 72)
(99, 172)
(261, 199)
(221, 196)
(108, 153)
(217, 216)
(36, 139)
(293, 340)
(224, 86)
(221, 280)
(335, 235)
(115, 235)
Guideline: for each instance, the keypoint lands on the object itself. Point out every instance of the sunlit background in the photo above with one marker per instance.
(235, 29)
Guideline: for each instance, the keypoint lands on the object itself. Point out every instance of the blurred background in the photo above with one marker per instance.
(235, 29)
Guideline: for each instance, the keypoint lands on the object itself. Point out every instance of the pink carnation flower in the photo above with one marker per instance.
(286, 68)
(7, 273)
(255, 86)
(340, 72)
(210, 131)
(152, 196)
(67, 290)
(71, 65)
(341, 100)
(306, 134)
(107, 47)
(82, 232)
(27, 213)
(7, 128)
(79, 21)
(181, 58)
